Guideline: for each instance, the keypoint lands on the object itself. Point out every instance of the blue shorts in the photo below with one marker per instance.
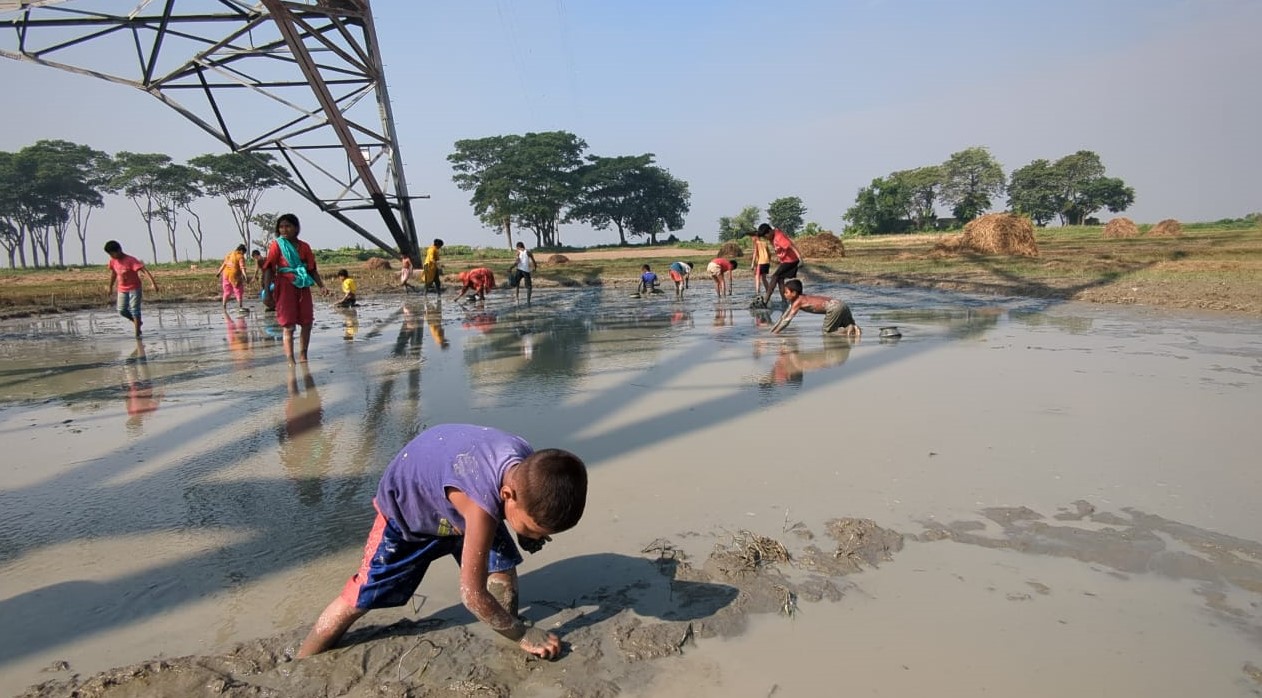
(393, 568)
(129, 303)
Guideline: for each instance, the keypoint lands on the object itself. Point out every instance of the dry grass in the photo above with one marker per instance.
(820, 246)
(1121, 227)
(1169, 228)
(730, 250)
(557, 259)
(997, 233)
(377, 263)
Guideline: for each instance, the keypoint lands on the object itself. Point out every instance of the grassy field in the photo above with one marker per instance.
(1212, 267)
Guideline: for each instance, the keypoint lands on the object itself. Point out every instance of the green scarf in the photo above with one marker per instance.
(302, 279)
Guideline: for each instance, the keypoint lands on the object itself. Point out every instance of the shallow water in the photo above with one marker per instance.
(176, 494)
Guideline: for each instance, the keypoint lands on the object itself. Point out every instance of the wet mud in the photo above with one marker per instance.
(1224, 571)
(643, 608)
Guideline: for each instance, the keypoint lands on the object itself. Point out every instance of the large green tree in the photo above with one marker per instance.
(970, 178)
(787, 213)
(139, 176)
(1073, 188)
(530, 180)
(240, 179)
(923, 187)
(880, 207)
(1085, 189)
(733, 227)
(484, 166)
(631, 194)
(1035, 191)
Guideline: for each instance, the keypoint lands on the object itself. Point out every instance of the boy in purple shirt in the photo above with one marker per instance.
(451, 491)
(125, 269)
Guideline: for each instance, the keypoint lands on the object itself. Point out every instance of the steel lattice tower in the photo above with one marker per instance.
(311, 69)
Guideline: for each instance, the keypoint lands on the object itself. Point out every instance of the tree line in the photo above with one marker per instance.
(50, 189)
(1071, 189)
(538, 181)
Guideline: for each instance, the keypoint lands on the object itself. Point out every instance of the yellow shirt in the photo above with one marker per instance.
(232, 265)
(761, 254)
(348, 285)
(431, 255)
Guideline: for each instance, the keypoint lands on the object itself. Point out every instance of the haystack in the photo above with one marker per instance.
(820, 246)
(378, 263)
(1169, 228)
(557, 259)
(730, 250)
(1121, 227)
(1001, 233)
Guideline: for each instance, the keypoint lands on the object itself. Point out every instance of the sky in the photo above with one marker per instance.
(752, 101)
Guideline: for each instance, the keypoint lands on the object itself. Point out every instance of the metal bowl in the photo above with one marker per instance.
(890, 332)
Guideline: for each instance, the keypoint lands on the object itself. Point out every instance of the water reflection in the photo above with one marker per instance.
(793, 362)
(962, 323)
(238, 339)
(306, 451)
(350, 322)
(142, 399)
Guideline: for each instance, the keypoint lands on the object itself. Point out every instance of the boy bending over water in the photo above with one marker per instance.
(837, 315)
(451, 491)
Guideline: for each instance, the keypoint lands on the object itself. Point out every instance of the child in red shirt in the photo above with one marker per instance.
(125, 269)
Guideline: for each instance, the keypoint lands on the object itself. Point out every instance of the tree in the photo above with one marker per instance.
(67, 181)
(482, 167)
(29, 206)
(733, 228)
(969, 179)
(923, 186)
(1084, 189)
(1034, 191)
(530, 180)
(139, 177)
(241, 179)
(266, 223)
(176, 189)
(631, 194)
(662, 205)
(880, 207)
(546, 166)
(786, 213)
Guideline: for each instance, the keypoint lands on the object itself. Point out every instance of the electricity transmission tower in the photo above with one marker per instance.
(300, 80)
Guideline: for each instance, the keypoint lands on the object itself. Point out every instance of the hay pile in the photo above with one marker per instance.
(820, 246)
(1169, 228)
(996, 233)
(558, 259)
(1121, 227)
(730, 250)
(378, 263)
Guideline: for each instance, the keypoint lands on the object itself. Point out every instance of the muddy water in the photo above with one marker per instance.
(182, 493)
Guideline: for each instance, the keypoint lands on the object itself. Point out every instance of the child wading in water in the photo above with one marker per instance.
(348, 289)
(125, 269)
(232, 274)
(836, 314)
(291, 266)
(451, 491)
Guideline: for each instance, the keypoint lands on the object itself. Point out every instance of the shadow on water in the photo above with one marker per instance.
(309, 511)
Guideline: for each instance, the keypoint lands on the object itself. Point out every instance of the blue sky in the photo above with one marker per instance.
(751, 101)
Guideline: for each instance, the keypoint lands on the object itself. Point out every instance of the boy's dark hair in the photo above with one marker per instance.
(732, 261)
(291, 218)
(438, 242)
(553, 488)
(764, 229)
(256, 253)
(240, 248)
(645, 267)
(112, 246)
(343, 272)
(793, 285)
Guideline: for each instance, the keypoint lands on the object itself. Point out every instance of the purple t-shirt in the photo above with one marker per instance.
(467, 457)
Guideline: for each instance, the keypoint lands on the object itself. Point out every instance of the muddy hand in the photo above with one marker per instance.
(541, 644)
(532, 545)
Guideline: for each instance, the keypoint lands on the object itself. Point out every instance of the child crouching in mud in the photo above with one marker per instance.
(450, 491)
(837, 315)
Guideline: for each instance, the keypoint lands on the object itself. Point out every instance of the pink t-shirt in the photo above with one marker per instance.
(127, 268)
(723, 264)
(783, 245)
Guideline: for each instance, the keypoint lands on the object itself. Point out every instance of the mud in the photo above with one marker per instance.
(1225, 571)
(661, 606)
